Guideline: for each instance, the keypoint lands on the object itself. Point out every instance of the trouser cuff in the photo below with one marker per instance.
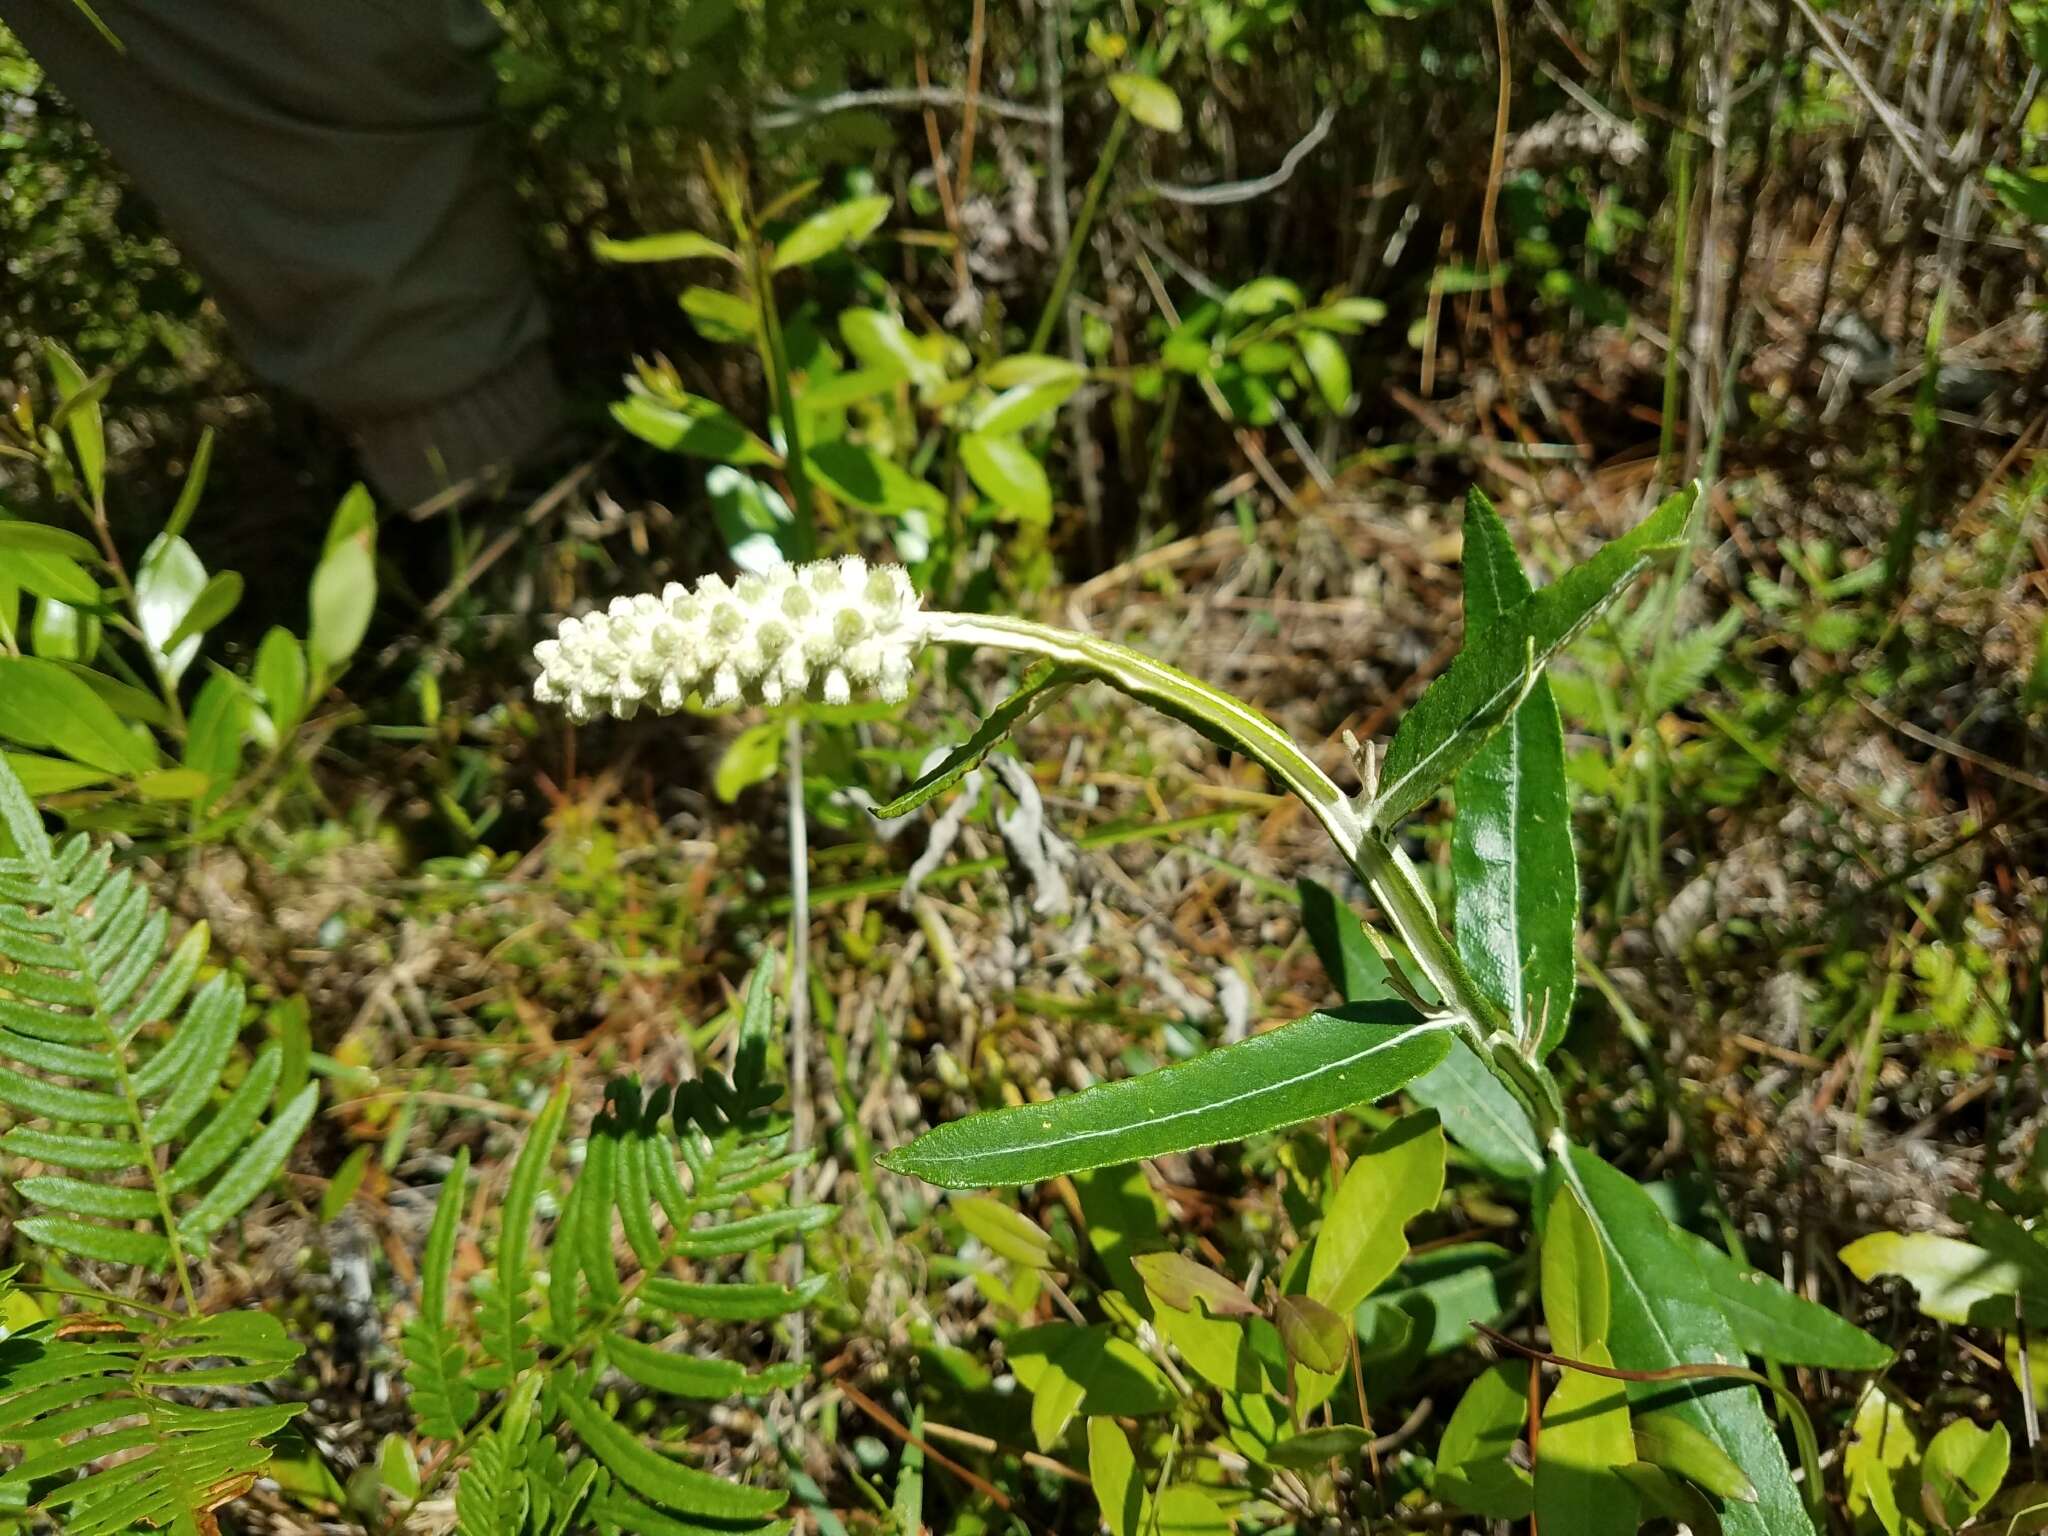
(454, 447)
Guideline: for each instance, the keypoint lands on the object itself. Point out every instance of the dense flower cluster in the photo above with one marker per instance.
(820, 630)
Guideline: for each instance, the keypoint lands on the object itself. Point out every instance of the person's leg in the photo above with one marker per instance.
(329, 168)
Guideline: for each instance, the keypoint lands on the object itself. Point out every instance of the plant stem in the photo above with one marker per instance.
(775, 362)
(799, 1001)
(1070, 258)
(1681, 250)
(1386, 870)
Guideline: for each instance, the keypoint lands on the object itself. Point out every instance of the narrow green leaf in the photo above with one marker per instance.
(695, 427)
(1152, 102)
(1045, 682)
(1007, 1232)
(1772, 1322)
(216, 600)
(682, 245)
(1512, 862)
(280, 677)
(82, 419)
(1398, 1176)
(751, 1232)
(194, 486)
(1179, 1281)
(42, 704)
(1493, 673)
(1480, 1115)
(1315, 1066)
(1664, 1315)
(1027, 404)
(706, 1378)
(114, 1245)
(343, 596)
(1329, 367)
(54, 576)
(730, 1303)
(18, 536)
(1585, 1440)
(522, 1192)
(252, 1171)
(1113, 1471)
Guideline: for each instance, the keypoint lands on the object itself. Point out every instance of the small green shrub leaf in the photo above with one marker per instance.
(1575, 1293)
(1316, 1066)
(1152, 102)
(1008, 474)
(1398, 1176)
(1473, 1469)
(861, 477)
(847, 223)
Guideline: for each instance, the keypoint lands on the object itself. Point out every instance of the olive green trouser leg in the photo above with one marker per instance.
(329, 167)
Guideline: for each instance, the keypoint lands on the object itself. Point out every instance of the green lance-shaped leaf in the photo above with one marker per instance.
(1772, 1322)
(1665, 1440)
(1045, 682)
(1494, 672)
(1664, 1315)
(1511, 843)
(1315, 1066)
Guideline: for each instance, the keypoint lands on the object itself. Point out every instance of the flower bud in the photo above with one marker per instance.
(825, 630)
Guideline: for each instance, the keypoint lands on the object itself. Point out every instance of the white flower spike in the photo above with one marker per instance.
(823, 630)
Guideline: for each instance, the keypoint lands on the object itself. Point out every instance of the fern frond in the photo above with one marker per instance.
(1677, 670)
(444, 1399)
(103, 1034)
(109, 1448)
(691, 1173)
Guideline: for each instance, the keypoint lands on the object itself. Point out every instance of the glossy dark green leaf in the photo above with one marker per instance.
(1772, 1322)
(1480, 1115)
(1511, 844)
(1492, 675)
(1664, 1314)
(1316, 1066)
(168, 585)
